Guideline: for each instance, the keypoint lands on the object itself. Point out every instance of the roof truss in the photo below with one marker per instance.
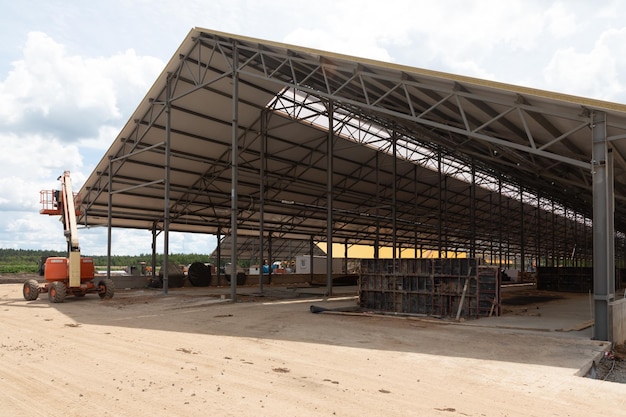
(422, 159)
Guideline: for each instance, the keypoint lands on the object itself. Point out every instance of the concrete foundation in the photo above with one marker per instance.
(618, 312)
(129, 281)
(303, 279)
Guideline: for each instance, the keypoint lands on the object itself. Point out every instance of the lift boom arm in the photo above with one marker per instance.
(62, 203)
(70, 230)
(69, 213)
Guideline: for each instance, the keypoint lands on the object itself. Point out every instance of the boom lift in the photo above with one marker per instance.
(74, 274)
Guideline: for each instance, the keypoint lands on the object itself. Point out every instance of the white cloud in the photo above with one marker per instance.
(469, 38)
(56, 109)
(69, 96)
(102, 141)
(357, 28)
(560, 20)
(22, 230)
(475, 38)
(607, 9)
(31, 163)
(596, 73)
(132, 242)
(50, 90)
(193, 243)
(321, 39)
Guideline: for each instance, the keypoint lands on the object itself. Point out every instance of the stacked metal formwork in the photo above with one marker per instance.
(573, 279)
(567, 279)
(439, 287)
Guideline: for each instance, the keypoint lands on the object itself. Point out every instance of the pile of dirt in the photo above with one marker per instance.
(19, 278)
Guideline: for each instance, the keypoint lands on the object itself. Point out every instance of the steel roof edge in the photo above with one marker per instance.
(528, 91)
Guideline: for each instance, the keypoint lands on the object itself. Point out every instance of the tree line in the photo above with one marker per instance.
(32, 257)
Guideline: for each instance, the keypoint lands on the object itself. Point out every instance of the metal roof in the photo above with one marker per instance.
(419, 157)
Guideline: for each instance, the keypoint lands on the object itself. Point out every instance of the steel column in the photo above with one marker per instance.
(564, 249)
(154, 245)
(329, 199)
(574, 237)
(554, 251)
(234, 203)
(311, 258)
(586, 240)
(523, 233)
(345, 257)
(110, 218)
(270, 256)
(394, 214)
(440, 208)
(491, 232)
(166, 197)
(507, 258)
(500, 226)
(603, 217)
(219, 256)
(262, 171)
(547, 248)
(417, 219)
(473, 212)
(444, 218)
(377, 238)
(538, 233)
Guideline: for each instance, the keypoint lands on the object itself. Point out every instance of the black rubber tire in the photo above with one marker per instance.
(30, 290)
(173, 281)
(199, 275)
(106, 288)
(42, 266)
(57, 292)
(241, 278)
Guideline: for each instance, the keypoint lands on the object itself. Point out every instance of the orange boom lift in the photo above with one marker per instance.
(74, 275)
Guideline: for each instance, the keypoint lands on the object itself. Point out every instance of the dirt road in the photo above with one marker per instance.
(187, 354)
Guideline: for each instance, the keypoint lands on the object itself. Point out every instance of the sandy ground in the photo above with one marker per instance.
(191, 354)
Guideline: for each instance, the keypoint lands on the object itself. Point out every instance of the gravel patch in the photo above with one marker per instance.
(611, 367)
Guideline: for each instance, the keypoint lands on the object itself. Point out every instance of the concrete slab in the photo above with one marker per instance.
(545, 311)
(542, 311)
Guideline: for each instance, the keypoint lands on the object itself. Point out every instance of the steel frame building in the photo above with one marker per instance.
(334, 148)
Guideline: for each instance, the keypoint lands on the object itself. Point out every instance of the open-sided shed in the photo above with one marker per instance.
(337, 148)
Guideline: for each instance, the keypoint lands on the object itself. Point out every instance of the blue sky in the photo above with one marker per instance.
(72, 72)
